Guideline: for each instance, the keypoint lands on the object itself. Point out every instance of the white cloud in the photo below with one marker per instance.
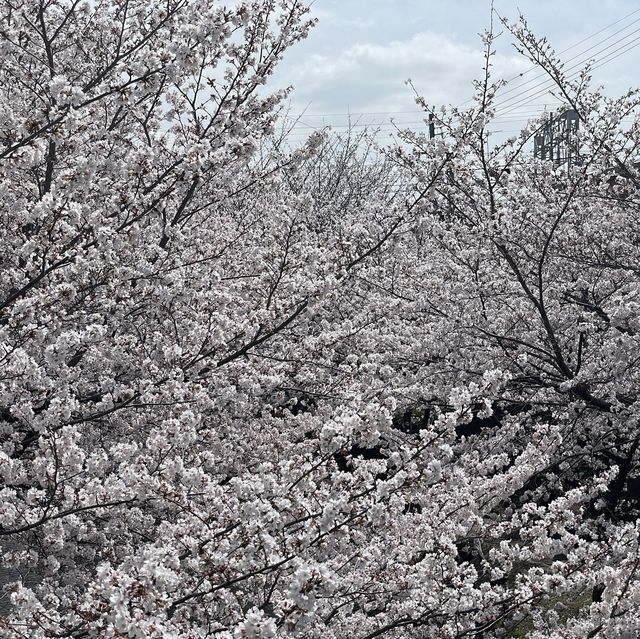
(371, 76)
(361, 53)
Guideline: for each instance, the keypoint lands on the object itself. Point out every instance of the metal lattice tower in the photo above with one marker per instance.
(557, 139)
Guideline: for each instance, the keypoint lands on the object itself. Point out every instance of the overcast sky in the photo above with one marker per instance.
(358, 57)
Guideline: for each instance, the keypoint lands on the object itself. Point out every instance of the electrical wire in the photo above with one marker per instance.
(521, 100)
(543, 88)
(578, 55)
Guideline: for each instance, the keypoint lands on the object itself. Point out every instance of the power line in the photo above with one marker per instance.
(300, 122)
(573, 46)
(354, 113)
(543, 87)
(533, 67)
(382, 126)
(585, 60)
(395, 124)
(516, 88)
(513, 105)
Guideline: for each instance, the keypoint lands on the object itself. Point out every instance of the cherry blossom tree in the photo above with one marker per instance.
(250, 397)
(531, 269)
